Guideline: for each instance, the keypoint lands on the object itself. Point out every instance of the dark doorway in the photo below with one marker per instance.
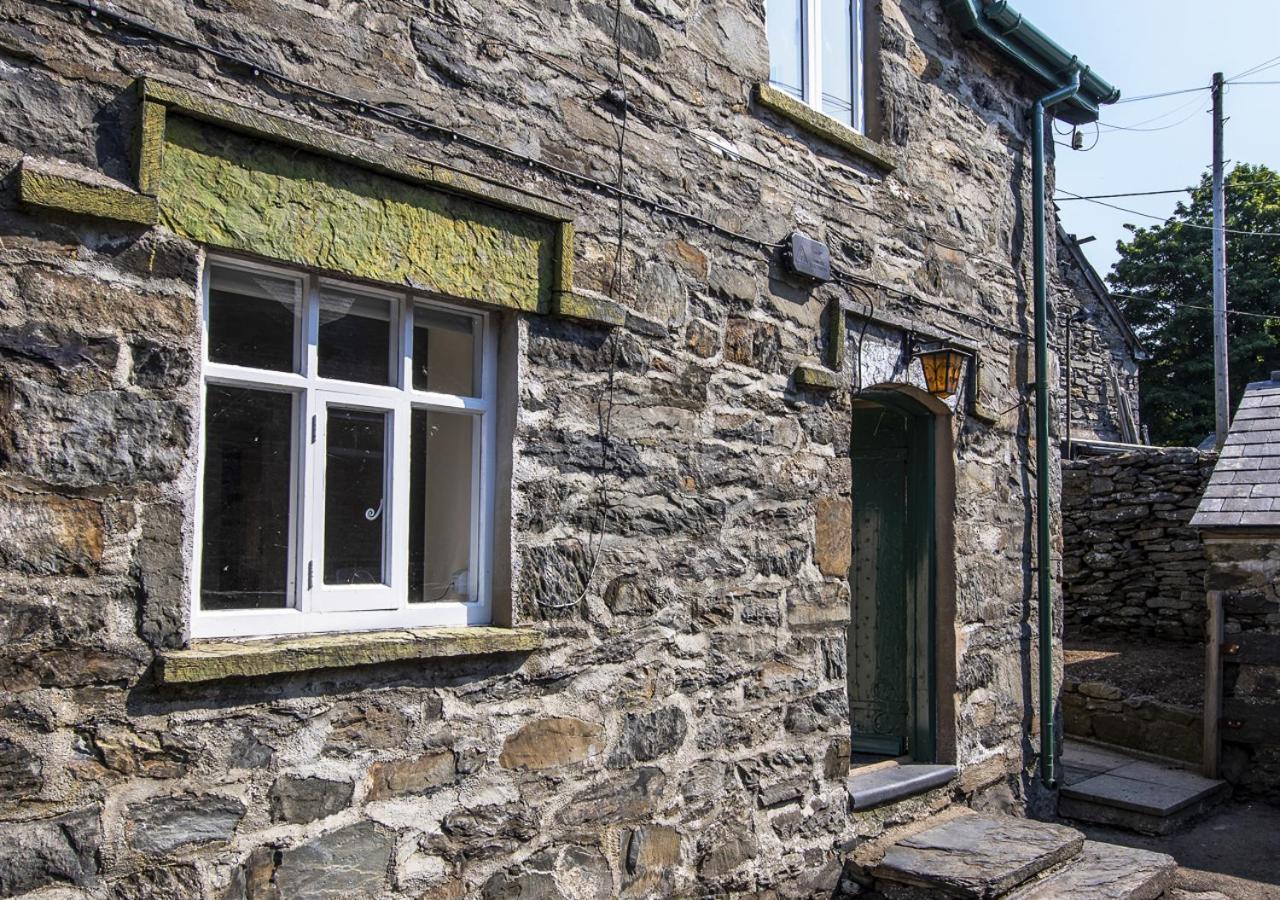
(891, 646)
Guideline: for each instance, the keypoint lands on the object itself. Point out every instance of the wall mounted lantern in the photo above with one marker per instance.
(942, 368)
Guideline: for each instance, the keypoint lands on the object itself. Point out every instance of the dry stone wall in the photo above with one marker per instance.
(1246, 569)
(1132, 567)
(685, 729)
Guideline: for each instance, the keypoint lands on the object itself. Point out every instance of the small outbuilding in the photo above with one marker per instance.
(1239, 523)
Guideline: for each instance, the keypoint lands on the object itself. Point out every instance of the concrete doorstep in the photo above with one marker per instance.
(1112, 789)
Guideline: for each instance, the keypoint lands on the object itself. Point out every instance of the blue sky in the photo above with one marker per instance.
(1147, 47)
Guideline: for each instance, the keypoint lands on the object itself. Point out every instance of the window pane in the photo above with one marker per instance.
(784, 21)
(355, 338)
(837, 59)
(244, 557)
(355, 509)
(253, 319)
(444, 352)
(440, 566)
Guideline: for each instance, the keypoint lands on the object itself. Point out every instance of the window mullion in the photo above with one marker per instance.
(312, 442)
(812, 56)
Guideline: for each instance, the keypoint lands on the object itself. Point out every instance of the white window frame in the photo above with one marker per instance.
(316, 607)
(811, 61)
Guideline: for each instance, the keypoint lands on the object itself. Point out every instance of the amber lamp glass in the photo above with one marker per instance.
(942, 367)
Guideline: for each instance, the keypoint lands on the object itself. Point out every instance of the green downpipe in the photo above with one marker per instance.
(1031, 49)
(1044, 580)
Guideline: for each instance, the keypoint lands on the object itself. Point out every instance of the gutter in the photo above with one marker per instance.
(1031, 50)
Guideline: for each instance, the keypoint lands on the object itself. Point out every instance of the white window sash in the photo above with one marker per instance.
(316, 607)
(811, 58)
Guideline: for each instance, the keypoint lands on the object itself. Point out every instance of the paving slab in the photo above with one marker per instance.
(1149, 797)
(885, 785)
(978, 856)
(1085, 756)
(1105, 872)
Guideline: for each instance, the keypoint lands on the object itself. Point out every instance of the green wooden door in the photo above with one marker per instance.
(891, 622)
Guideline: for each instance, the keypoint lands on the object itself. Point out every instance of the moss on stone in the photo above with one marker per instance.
(588, 308)
(825, 127)
(149, 146)
(223, 189)
(221, 659)
(815, 379)
(63, 193)
(562, 279)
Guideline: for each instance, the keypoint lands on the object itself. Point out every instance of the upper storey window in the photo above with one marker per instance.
(815, 55)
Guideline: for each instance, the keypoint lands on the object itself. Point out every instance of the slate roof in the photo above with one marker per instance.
(1244, 491)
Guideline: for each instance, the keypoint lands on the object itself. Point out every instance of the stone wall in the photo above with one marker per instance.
(684, 730)
(1132, 567)
(1103, 364)
(1247, 571)
(1102, 712)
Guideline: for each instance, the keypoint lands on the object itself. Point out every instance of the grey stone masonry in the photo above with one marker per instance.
(1099, 373)
(672, 509)
(1245, 489)
(1133, 566)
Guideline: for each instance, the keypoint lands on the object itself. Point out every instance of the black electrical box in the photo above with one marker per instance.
(805, 256)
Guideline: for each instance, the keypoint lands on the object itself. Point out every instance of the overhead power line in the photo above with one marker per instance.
(1161, 300)
(1203, 87)
(1137, 126)
(1266, 64)
(1152, 193)
(1198, 225)
(1130, 194)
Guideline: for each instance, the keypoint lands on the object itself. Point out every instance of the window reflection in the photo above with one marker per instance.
(356, 338)
(244, 558)
(784, 21)
(253, 319)
(355, 513)
(440, 565)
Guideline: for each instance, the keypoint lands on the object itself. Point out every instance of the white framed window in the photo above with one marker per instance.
(347, 456)
(815, 55)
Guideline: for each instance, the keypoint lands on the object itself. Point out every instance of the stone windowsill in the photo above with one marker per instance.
(214, 660)
(828, 129)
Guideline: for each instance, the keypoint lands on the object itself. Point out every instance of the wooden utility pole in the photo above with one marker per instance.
(1221, 392)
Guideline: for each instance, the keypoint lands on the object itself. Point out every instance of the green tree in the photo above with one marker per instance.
(1164, 282)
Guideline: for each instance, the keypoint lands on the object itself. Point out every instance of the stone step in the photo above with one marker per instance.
(1141, 796)
(1104, 872)
(974, 856)
(886, 784)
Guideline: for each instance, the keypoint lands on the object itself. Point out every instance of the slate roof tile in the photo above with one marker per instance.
(1244, 490)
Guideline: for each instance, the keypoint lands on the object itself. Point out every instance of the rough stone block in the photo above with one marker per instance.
(407, 777)
(164, 824)
(296, 800)
(61, 850)
(551, 743)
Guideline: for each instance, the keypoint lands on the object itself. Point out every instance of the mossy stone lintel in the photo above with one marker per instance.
(66, 194)
(587, 308)
(347, 149)
(825, 127)
(815, 379)
(222, 188)
(215, 660)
